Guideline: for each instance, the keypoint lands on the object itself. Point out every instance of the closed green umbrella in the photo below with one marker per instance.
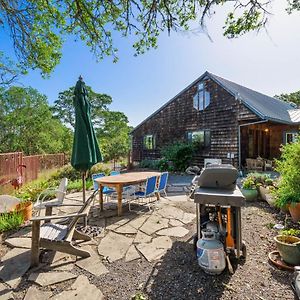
(86, 152)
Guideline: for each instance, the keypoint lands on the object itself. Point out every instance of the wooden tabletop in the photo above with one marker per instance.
(126, 178)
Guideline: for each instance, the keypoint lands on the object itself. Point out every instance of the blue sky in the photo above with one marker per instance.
(268, 62)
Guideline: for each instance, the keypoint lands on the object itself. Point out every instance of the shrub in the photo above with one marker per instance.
(150, 164)
(180, 154)
(289, 168)
(10, 221)
(163, 165)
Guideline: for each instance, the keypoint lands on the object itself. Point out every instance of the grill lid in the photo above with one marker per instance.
(218, 176)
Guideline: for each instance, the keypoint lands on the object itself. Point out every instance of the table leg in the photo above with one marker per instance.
(100, 189)
(119, 189)
(238, 231)
(198, 216)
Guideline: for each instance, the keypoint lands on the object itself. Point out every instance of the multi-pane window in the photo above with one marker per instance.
(149, 142)
(202, 98)
(290, 137)
(200, 137)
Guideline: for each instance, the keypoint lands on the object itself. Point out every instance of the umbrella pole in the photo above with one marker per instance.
(83, 186)
(83, 195)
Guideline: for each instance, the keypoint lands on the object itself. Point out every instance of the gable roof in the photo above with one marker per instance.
(266, 107)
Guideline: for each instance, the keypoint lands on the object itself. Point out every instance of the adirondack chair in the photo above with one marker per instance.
(59, 237)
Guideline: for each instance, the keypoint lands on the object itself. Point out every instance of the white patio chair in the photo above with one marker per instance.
(59, 192)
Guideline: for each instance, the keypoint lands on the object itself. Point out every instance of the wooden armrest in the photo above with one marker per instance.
(45, 218)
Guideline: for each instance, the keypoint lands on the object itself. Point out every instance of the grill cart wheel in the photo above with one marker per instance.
(195, 240)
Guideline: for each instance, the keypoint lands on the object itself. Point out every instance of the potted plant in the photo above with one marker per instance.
(289, 248)
(249, 189)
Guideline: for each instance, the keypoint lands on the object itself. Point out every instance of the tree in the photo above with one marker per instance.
(38, 27)
(64, 110)
(114, 135)
(9, 72)
(27, 123)
(292, 97)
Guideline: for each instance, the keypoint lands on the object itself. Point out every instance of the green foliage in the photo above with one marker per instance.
(38, 27)
(31, 191)
(289, 168)
(291, 231)
(163, 165)
(149, 164)
(248, 183)
(139, 296)
(114, 135)
(10, 221)
(27, 124)
(76, 185)
(180, 154)
(292, 97)
(67, 171)
(64, 110)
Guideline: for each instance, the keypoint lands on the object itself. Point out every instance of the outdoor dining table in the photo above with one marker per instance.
(120, 181)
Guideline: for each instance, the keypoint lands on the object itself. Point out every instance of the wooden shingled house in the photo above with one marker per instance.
(232, 123)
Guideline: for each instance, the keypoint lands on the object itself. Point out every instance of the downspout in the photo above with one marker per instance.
(239, 137)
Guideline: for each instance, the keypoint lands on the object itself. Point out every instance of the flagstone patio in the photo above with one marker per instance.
(136, 236)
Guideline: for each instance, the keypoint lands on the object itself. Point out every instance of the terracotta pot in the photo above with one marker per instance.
(250, 194)
(294, 209)
(289, 248)
(25, 209)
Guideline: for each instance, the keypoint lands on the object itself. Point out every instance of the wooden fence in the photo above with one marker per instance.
(14, 165)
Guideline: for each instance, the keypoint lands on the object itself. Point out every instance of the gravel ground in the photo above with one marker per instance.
(177, 275)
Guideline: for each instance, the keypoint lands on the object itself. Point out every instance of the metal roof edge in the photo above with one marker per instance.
(255, 111)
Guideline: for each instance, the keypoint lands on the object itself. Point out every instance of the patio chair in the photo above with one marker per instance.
(59, 237)
(113, 173)
(162, 185)
(145, 193)
(106, 191)
(60, 194)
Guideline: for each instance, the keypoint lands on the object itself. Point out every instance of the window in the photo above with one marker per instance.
(200, 137)
(290, 137)
(149, 142)
(202, 98)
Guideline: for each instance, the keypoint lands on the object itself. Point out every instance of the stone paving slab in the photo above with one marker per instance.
(188, 218)
(142, 237)
(153, 224)
(175, 223)
(35, 294)
(139, 221)
(81, 289)
(5, 292)
(156, 249)
(114, 246)
(171, 212)
(92, 264)
(174, 231)
(132, 254)
(15, 264)
(49, 278)
(126, 229)
(23, 232)
(115, 222)
(19, 242)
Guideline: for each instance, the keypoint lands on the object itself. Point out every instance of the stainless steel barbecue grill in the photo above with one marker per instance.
(218, 205)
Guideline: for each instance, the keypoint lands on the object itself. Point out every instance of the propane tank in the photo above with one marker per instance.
(210, 253)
